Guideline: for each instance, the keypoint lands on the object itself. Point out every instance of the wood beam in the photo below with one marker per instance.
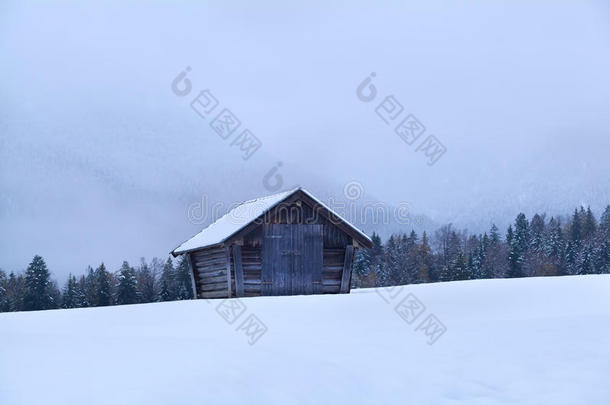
(239, 271)
(192, 271)
(228, 256)
(347, 269)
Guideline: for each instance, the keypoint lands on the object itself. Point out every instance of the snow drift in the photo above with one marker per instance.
(522, 341)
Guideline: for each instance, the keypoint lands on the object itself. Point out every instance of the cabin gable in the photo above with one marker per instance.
(296, 247)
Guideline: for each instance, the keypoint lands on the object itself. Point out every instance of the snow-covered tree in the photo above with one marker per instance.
(69, 295)
(426, 261)
(15, 292)
(4, 301)
(147, 283)
(459, 268)
(519, 243)
(362, 264)
(391, 270)
(537, 233)
(127, 289)
(477, 260)
(90, 287)
(38, 294)
(495, 264)
(602, 253)
(589, 224)
(576, 229)
(103, 296)
(183, 279)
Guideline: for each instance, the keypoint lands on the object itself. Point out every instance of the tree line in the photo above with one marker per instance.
(149, 282)
(580, 244)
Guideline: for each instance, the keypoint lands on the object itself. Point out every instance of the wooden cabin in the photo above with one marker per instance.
(288, 243)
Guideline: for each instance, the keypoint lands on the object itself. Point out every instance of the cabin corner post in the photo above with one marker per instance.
(228, 256)
(347, 269)
(239, 271)
(192, 271)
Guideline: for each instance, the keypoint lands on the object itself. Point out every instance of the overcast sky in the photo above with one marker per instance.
(100, 160)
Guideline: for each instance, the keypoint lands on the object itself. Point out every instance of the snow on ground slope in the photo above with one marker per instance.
(525, 341)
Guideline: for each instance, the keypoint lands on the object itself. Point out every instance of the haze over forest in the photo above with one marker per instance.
(100, 160)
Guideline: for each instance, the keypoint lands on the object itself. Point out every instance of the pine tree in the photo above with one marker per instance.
(377, 245)
(69, 296)
(574, 244)
(572, 257)
(602, 253)
(411, 260)
(156, 268)
(4, 301)
(575, 229)
(81, 293)
(90, 288)
(127, 289)
(147, 284)
(399, 275)
(445, 273)
(537, 234)
(535, 263)
(38, 289)
(495, 264)
(460, 269)
(589, 225)
(519, 242)
(55, 294)
(486, 270)
(378, 272)
(494, 234)
(455, 246)
(426, 261)
(165, 293)
(522, 232)
(587, 263)
(103, 295)
(510, 235)
(168, 291)
(362, 264)
(554, 247)
(449, 246)
(604, 222)
(477, 260)
(183, 280)
(16, 292)
(391, 274)
(442, 238)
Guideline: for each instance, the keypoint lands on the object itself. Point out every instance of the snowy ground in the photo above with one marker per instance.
(527, 341)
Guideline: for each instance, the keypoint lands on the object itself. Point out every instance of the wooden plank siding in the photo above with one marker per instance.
(309, 255)
(210, 272)
(314, 243)
(332, 270)
(210, 280)
(252, 262)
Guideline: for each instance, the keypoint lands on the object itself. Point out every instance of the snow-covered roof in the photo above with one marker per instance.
(242, 215)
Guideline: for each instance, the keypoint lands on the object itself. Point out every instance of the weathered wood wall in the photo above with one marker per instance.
(210, 272)
(210, 265)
